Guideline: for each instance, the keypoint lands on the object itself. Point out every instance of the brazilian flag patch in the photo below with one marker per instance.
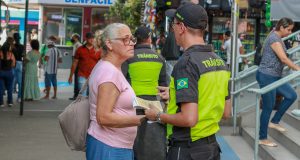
(182, 83)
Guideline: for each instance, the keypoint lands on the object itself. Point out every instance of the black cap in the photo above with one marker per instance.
(192, 15)
(89, 35)
(142, 33)
(16, 36)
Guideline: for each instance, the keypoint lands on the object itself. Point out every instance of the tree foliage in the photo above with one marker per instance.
(128, 12)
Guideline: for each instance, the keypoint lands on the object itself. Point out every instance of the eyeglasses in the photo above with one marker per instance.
(127, 40)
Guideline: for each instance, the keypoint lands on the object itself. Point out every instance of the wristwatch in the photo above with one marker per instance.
(158, 117)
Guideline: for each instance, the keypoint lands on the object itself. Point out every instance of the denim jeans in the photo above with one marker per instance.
(18, 77)
(268, 102)
(96, 150)
(81, 82)
(6, 82)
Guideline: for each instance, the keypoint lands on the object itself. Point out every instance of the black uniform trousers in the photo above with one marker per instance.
(203, 149)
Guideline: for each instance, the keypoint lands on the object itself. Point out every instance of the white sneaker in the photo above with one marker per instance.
(10, 105)
(2, 105)
(277, 127)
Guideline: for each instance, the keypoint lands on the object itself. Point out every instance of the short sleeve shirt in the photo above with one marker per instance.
(103, 72)
(270, 63)
(87, 59)
(201, 77)
(227, 47)
(54, 55)
(75, 47)
(187, 71)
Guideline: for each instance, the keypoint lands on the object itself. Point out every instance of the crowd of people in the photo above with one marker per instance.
(119, 66)
(44, 57)
(129, 68)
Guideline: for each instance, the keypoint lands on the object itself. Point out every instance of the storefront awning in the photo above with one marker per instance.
(20, 4)
(285, 8)
(34, 4)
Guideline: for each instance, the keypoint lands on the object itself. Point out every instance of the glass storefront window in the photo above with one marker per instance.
(73, 19)
(62, 23)
(98, 19)
(52, 17)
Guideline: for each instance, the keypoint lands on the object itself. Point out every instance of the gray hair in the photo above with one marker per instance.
(110, 32)
(98, 34)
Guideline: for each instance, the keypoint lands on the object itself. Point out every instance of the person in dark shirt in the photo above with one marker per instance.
(7, 63)
(198, 90)
(145, 71)
(18, 53)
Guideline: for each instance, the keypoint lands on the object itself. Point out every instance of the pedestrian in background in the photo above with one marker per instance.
(85, 59)
(33, 35)
(31, 83)
(7, 64)
(113, 124)
(43, 51)
(18, 51)
(198, 89)
(274, 57)
(52, 58)
(145, 71)
(227, 47)
(75, 39)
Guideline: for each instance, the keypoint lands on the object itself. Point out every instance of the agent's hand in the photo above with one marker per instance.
(151, 113)
(163, 92)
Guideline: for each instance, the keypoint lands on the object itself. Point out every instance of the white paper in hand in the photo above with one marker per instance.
(140, 103)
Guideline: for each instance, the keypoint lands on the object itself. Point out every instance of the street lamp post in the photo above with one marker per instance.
(24, 53)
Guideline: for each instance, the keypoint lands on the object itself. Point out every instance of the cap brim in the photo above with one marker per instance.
(170, 13)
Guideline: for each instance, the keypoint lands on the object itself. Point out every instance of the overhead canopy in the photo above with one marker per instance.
(20, 4)
(285, 8)
(34, 4)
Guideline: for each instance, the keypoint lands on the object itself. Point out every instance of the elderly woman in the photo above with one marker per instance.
(270, 70)
(113, 121)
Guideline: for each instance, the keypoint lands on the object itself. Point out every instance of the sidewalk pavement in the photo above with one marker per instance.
(36, 135)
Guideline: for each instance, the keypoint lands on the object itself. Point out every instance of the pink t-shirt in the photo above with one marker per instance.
(103, 72)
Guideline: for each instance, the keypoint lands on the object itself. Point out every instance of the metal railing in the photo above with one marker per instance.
(264, 90)
(252, 70)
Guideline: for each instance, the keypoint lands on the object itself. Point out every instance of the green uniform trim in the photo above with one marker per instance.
(172, 107)
(144, 76)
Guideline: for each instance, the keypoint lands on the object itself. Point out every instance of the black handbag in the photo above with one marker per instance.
(150, 143)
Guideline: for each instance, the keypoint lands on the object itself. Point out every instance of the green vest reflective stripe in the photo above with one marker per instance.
(172, 107)
(212, 89)
(144, 77)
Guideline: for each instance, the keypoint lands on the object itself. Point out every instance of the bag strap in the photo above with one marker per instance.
(84, 87)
